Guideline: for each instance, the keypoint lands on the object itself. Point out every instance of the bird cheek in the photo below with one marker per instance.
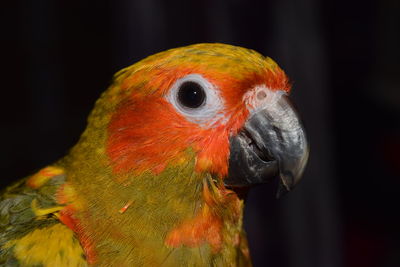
(213, 153)
(203, 163)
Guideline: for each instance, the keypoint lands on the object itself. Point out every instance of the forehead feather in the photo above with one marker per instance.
(233, 67)
(222, 58)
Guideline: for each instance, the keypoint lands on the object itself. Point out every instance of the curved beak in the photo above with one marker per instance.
(272, 143)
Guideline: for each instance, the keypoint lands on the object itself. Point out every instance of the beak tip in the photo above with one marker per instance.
(281, 191)
(286, 184)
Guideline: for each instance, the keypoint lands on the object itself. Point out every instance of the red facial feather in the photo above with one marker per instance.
(147, 133)
(68, 218)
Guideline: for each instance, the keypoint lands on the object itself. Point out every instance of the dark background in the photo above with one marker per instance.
(343, 57)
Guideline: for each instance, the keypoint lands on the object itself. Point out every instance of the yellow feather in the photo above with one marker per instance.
(51, 246)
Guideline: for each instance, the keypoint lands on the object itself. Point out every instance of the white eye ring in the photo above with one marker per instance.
(206, 114)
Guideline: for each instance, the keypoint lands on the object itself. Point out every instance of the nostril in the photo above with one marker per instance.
(261, 95)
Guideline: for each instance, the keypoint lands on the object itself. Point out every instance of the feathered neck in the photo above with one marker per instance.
(177, 216)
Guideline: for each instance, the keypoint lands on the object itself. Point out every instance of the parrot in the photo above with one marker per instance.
(156, 177)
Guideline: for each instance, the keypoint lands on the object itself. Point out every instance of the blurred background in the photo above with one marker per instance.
(342, 56)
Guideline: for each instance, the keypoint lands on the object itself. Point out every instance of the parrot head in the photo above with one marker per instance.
(172, 136)
(222, 106)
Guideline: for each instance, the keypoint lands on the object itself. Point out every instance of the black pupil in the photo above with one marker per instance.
(191, 95)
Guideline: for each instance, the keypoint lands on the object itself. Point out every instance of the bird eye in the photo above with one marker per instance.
(197, 99)
(191, 94)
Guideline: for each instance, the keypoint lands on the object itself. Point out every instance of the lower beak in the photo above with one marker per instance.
(272, 143)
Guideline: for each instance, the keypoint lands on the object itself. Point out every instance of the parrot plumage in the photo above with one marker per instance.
(153, 179)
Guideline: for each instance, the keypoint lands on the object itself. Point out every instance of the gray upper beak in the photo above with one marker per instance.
(271, 143)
